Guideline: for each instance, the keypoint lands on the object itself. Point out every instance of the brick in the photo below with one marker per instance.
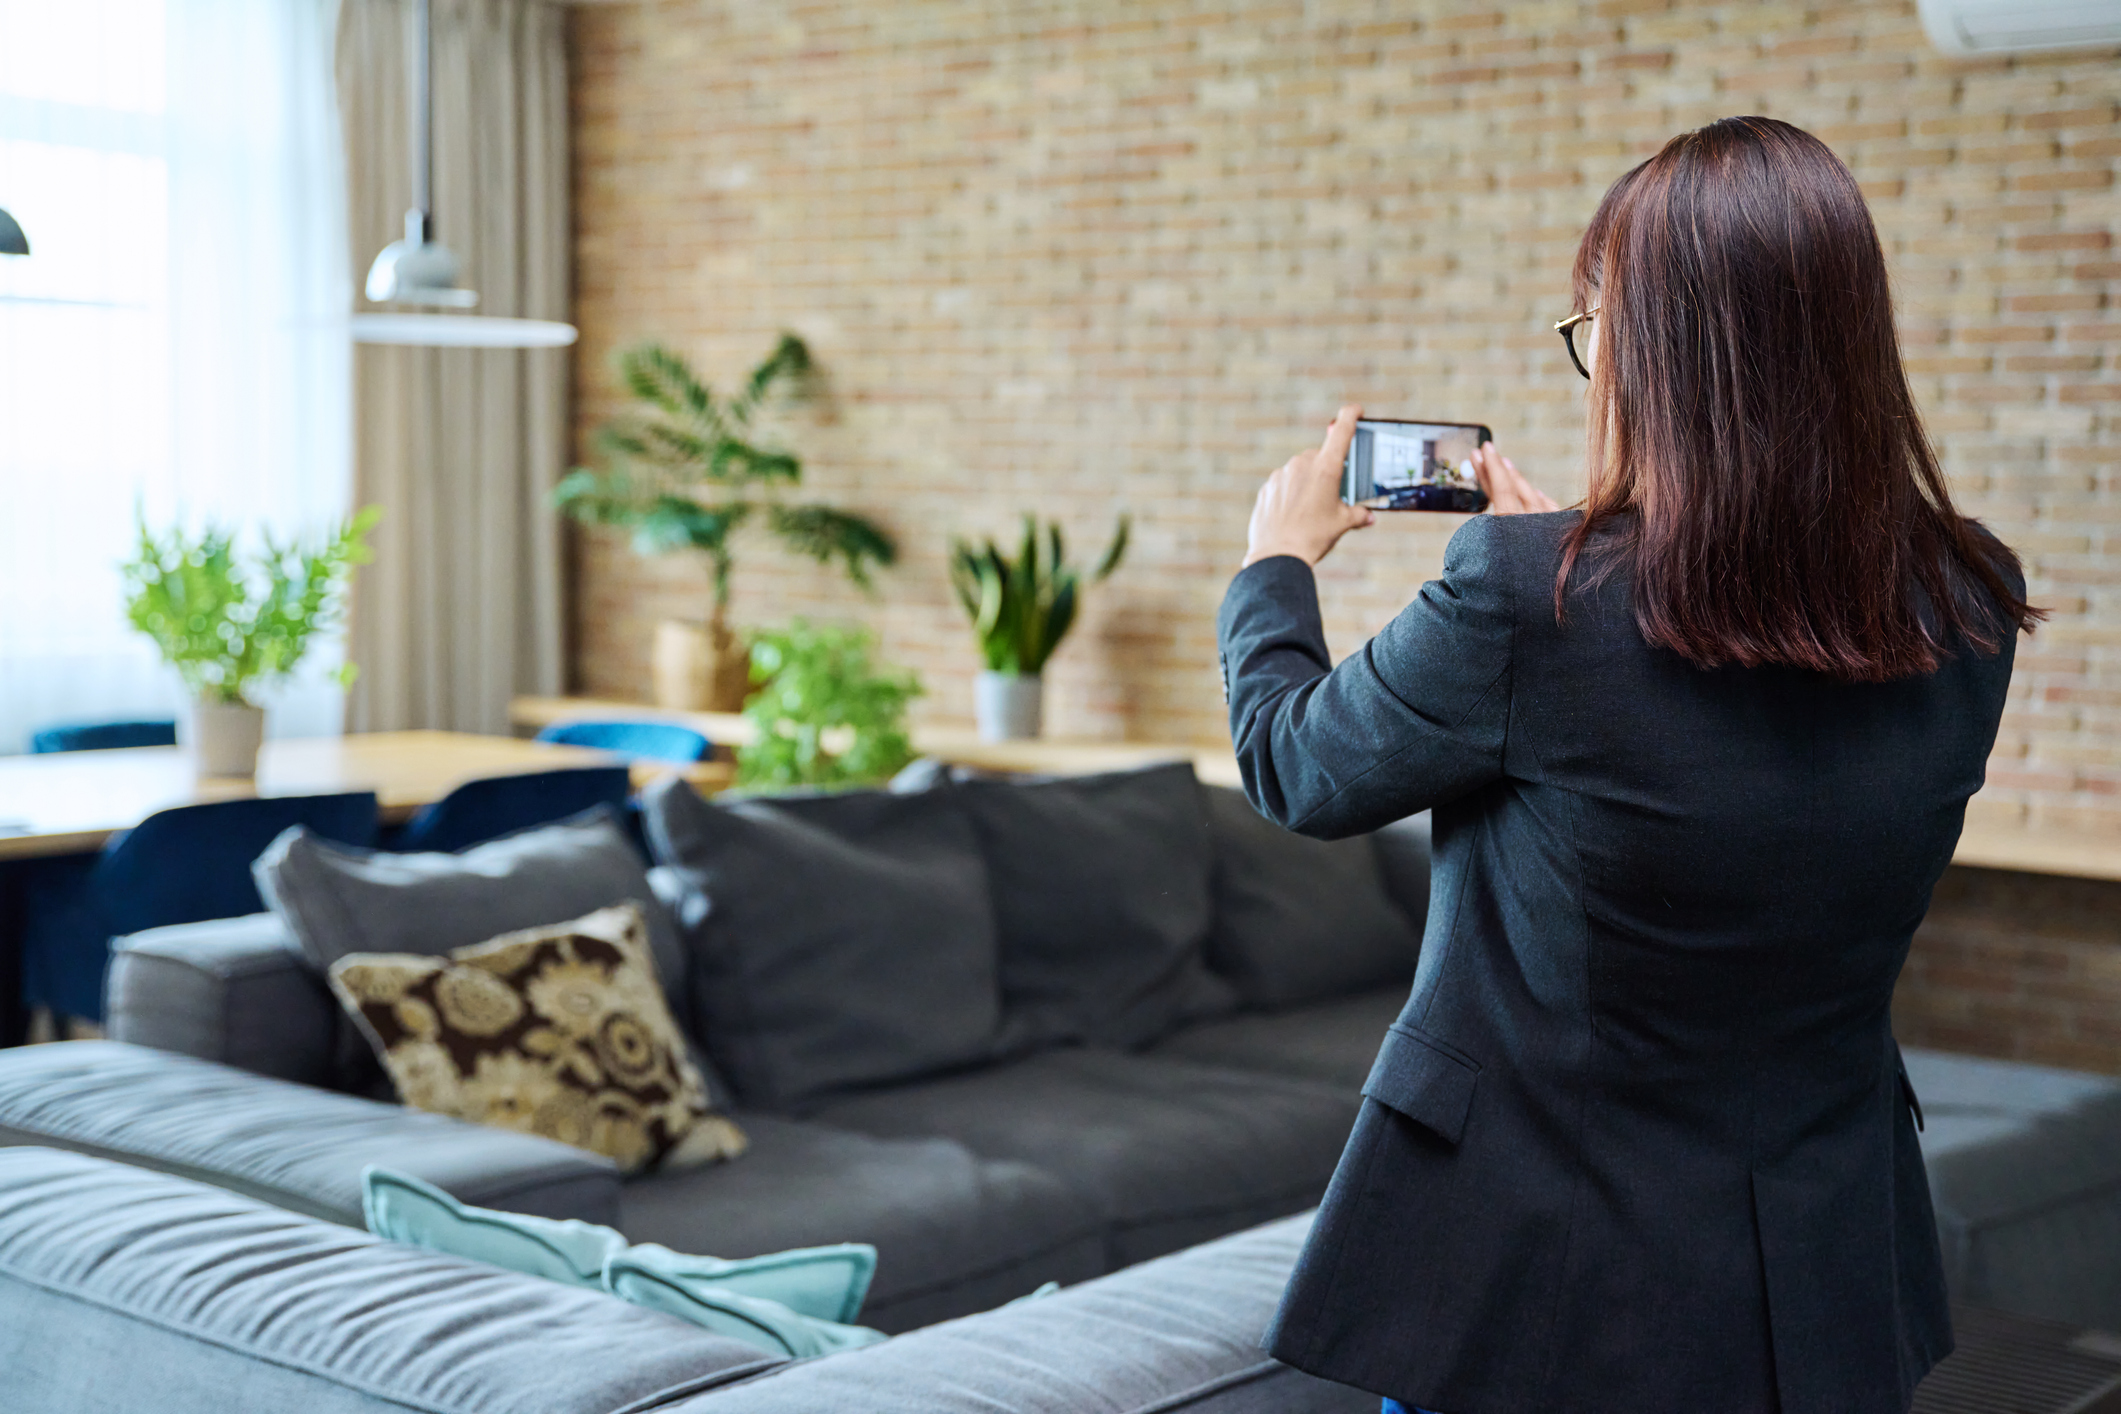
(1073, 261)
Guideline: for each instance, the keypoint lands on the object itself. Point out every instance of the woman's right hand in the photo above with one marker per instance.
(1509, 494)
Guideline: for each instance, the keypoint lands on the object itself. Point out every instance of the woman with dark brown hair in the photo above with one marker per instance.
(1697, 752)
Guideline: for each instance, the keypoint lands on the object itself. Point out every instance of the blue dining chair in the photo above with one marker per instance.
(500, 805)
(182, 865)
(102, 736)
(656, 741)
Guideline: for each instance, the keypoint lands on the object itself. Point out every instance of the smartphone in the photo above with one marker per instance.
(1414, 466)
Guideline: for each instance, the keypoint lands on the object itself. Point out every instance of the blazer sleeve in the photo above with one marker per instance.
(1418, 716)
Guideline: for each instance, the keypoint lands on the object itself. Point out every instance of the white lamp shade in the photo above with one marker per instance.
(461, 331)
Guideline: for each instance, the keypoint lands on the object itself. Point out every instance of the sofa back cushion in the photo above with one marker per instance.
(338, 900)
(1102, 902)
(836, 941)
(1299, 920)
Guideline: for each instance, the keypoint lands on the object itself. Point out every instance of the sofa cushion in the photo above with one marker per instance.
(687, 1287)
(1169, 1151)
(1335, 1042)
(838, 940)
(559, 1031)
(297, 1147)
(953, 1232)
(1402, 849)
(1179, 1334)
(338, 900)
(1296, 919)
(415, 1212)
(126, 1289)
(1101, 898)
(2025, 1172)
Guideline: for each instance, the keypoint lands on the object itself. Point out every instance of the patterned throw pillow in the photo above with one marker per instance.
(561, 1032)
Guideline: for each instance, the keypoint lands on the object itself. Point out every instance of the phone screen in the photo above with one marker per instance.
(1414, 466)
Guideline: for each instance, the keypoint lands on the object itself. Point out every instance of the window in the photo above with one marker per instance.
(175, 341)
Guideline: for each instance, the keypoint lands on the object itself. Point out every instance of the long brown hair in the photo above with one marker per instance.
(1753, 441)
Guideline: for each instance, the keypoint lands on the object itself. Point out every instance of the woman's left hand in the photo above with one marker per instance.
(1299, 511)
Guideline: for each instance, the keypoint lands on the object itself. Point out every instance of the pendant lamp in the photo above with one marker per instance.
(12, 241)
(420, 270)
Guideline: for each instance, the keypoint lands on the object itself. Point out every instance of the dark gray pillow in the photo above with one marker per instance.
(837, 940)
(1403, 866)
(1101, 898)
(337, 899)
(1296, 919)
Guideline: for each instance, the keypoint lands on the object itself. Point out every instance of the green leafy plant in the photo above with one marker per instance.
(685, 473)
(1021, 609)
(824, 714)
(230, 623)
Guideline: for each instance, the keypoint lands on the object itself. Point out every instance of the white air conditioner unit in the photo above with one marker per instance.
(2017, 26)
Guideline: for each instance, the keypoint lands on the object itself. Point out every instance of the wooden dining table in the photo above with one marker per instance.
(70, 803)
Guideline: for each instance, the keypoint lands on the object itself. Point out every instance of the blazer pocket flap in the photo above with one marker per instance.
(1424, 1079)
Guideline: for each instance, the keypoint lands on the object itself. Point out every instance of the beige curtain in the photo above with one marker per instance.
(462, 608)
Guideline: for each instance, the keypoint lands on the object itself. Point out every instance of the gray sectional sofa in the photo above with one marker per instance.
(1007, 1033)
(1101, 1116)
(127, 1289)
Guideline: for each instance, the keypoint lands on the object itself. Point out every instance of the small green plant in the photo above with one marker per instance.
(1021, 609)
(823, 715)
(686, 474)
(229, 624)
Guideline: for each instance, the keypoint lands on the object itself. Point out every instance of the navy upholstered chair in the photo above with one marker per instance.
(183, 865)
(654, 741)
(103, 736)
(498, 805)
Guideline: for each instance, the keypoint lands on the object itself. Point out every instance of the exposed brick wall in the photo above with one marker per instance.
(1077, 256)
(2020, 966)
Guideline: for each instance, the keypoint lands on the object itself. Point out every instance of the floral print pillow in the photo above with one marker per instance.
(561, 1032)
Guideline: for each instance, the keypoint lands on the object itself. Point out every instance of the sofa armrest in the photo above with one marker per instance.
(1180, 1333)
(234, 990)
(290, 1145)
(123, 1289)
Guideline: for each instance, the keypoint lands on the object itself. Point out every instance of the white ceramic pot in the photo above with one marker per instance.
(224, 737)
(1010, 706)
(697, 667)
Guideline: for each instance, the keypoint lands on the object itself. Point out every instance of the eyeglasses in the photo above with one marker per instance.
(1567, 329)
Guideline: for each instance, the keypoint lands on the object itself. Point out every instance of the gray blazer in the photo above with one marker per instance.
(1640, 1140)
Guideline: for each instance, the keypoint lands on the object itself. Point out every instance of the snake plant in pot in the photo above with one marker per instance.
(1021, 609)
(687, 473)
(231, 624)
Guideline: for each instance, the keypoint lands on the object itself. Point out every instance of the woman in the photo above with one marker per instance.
(1640, 1141)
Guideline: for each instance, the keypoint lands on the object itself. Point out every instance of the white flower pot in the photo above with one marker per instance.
(224, 737)
(1009, 706)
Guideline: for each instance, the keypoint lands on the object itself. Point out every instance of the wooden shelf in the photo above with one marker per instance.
(1043, 756)
(2027, 849)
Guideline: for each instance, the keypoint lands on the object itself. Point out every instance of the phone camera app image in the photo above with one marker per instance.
(1413, 466)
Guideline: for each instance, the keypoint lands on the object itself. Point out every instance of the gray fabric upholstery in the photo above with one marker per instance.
(1101, 898)
(338, 900)
(122, 1289)
(1299, 920)
(235, 990)
(1177, 1334)
(290, 1145)
(1335, 1042)
(838, 940)
(953, 1232)
(1169, 1152)
(1403, 865)
(2025, 1172)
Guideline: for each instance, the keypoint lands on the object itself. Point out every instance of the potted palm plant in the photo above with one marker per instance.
(1021, 609)
(232, 624)
(685, 473)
